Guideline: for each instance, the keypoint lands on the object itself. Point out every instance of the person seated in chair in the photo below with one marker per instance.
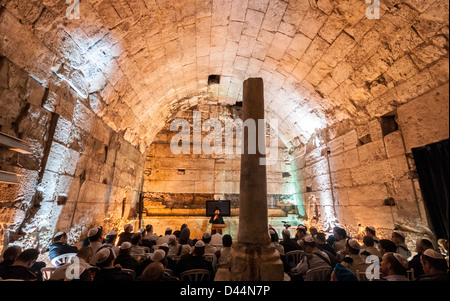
(60, 246)
(107, 271)
(196, 260)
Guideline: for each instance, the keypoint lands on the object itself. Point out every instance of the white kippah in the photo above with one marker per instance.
(111, 233)
(168, 229)
(164, 245)
(93, 232)
(172, 238)
(200, 244)
(401, 259)
(433, 254)
(141, 231)
(102, 255)
(354, 244)
(158, 255)
(59, 234)
(206, 235)
(125, 245)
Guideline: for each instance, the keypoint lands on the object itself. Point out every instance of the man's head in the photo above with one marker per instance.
(339, 233)
(128, 228)
(206, 237)
(149, 229)
(310, 244)
(301, 231)
(286, 234)
(352, 247)
(153, 272)
(321, 238)
(386, 246)
(105, 258)
(60, 237)
(199, 249)
(370, 231)
(313, 230)
(217, 211)
(398, 238)
(136, 239)
(125, 248)
(273, 235)
(368, 241)
(85, 253)
(393, 264)
(433, 262)
(423, 244)
(27, 258)
(227, 241)
(111, 237)
(11, 253)
(95, 234)
(168, 232)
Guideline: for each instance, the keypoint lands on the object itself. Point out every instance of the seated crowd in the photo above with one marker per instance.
(308, 256)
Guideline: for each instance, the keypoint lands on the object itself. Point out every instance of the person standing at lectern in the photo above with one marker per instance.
(216, 219)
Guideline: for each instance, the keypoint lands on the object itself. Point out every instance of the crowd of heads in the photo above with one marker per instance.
(152, 257)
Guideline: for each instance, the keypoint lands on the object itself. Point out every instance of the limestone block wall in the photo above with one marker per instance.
(372, 163)
(82, 171)
(178, 184)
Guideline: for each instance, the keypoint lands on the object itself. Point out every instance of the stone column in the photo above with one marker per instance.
(253, 259)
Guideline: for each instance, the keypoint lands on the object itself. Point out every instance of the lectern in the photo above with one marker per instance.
(217, 228)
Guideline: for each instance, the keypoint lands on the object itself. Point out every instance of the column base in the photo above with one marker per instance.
(256, 263)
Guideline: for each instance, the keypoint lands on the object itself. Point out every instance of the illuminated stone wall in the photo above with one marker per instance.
(180, 185)
(81, 173)
(372, 163)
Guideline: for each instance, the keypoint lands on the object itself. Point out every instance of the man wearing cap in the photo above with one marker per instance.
(75, 270)
(60, 246)
(352, 260)
(288, 243)
(301, 235)
(393, 267)
(341, 239)
(110, 241)
(209, 249)
(399, 239)
(108, 272)
(434, 266)
(165, 238)
(124, 259)
(370, 231)
(422, 244)
(314, 257)
(95, 241)
(126, 235)
(193, 261)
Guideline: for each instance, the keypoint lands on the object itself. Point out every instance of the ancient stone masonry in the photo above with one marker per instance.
(180, 185)
(92, 92)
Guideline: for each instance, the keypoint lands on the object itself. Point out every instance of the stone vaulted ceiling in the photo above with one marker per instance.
(141, 61)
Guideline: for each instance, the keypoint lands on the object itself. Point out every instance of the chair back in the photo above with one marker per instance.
(130, 272)
(410, 274)
(294, 257)
(63, 259)
(318, 274)
(47, 273)
(361, 276)
(195, 275)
